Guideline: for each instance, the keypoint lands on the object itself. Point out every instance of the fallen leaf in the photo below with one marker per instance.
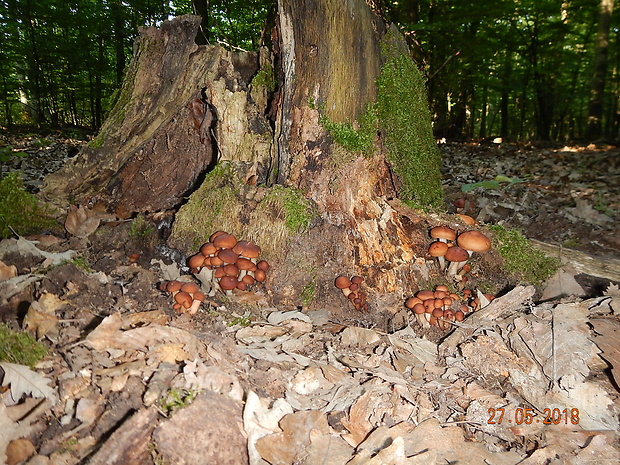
(81, 221)
(607, 337)
(24, 381)
(7, 271)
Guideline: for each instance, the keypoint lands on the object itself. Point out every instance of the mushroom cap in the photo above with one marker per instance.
(467, 219)
(245, 264)
(247, 249)
(228, 283)
(456, 254)
(443, 232)
(184, 299)
(263, 265)
(227, 256)
(198, 296)
(225, 241)
(248, 279)
(208, 249)
(190, 288)
(231, 270)
(424, 295)
(419, 309)
(196, 261)
(438, 249)
(356, 279)
(474, 241)
(260, 275)
(342, 282)
(173, 286)
(412, 301)
(215, 234)
(441, 287)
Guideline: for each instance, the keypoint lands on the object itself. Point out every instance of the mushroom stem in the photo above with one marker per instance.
(194, 307)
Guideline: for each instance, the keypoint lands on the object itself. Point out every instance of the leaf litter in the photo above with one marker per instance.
(517, 382)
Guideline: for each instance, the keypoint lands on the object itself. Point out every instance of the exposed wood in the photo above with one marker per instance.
(163, 133)
(130, 443)
(599, 266)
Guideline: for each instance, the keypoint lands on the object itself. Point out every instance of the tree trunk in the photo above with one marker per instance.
(597, 89)
(316, 208)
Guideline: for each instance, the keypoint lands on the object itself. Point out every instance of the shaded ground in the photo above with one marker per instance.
(243, 382)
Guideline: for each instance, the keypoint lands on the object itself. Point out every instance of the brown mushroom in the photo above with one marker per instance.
(438, 249)
(443, 233)
(224, 241)
(474, 241)
(457, 257)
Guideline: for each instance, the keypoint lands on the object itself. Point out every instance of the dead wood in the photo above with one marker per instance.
(130, 443)
(593, 265)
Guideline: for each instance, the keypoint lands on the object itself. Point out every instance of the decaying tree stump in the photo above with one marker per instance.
(272, 171)
(158, 140)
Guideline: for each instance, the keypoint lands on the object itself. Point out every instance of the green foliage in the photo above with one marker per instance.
(404, 117)
(530, 265)
(19, 347)
(19, 209)
(6, 153)
(176, 399)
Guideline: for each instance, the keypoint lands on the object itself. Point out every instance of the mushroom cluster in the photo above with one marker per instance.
(228, 263)
(350, 287)
(441, 307)
(187, 296)
(456, 249)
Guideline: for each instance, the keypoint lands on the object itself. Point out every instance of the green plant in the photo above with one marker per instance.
(530, 265)
(239, 321)
(81, 263)
(19, 209)
(308, 292)
(498, 182)
(19, 347)
(140, 227)
(6, 153)
(405, 120)
(176, 399)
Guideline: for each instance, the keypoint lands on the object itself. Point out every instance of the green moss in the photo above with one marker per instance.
(298, 211)
(96, 142)
(176, 399)
(20, 210)
(405, 121)
(530, 265)
(308, 293)
(19, 347)
(213, 206)
(140, 228)
(265, 77)
(358, 139)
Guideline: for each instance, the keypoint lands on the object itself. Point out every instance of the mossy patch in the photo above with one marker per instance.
(531, 266)
(267, 216)
(405, 121)
(21, 210)
(213, 206)
(20, 348)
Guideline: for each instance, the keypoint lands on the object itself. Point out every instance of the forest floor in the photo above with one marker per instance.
(127, 380)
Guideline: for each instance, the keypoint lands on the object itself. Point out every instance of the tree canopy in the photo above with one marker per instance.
(528, 69)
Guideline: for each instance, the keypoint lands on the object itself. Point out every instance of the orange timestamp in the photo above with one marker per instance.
(555, 416)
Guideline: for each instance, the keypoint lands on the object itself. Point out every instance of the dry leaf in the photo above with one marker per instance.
(24, 381)
(607, 337)
(7, 271)
(40, 323)
(357, 422)
(81, 221)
